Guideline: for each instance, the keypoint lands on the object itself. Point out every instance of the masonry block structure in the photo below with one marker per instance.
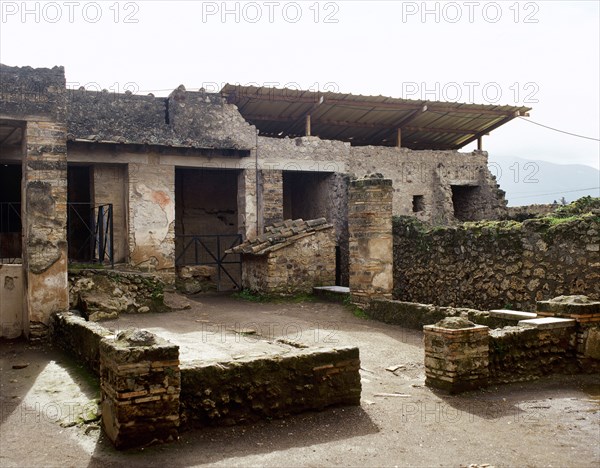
(291, 257)
(141, 383)
(371, 242)
(144, 181)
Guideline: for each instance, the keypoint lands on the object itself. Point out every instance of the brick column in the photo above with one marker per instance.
(44, 215)
(456, 355)
(271, 197)
(371, 240)
(141, 383)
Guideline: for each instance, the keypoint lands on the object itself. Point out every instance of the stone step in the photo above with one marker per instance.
(335, 293)
(512, 314)
(547, 323)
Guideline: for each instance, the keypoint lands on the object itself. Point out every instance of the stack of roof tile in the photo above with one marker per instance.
(280, 235)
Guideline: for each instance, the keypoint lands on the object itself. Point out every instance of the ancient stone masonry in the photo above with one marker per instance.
(134, 147)
(586, 314)
(104, 294)
(565, 339)
(148, 396)
(249, 390)
(141, 382)
(291, 257)
(456, 355)
(36, 100)
(496, 265)
(75, 335)
(272, 197)
(370, 227)
(185, 118)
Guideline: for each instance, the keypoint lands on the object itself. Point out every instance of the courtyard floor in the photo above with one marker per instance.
(550, 422)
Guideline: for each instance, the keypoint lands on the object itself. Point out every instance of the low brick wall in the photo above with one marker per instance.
(78, 337)
(566, 340)
(414, 315)
(146, 396)
(517, 353)
(236, 392)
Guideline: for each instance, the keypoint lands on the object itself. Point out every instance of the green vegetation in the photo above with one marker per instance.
(354, 309)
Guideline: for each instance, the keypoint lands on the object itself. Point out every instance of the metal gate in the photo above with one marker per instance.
(209, 249)
(90, 233)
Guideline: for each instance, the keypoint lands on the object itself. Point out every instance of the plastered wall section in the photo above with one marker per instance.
(151, 198)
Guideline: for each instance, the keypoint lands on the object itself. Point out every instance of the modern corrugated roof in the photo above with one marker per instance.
(367, 120)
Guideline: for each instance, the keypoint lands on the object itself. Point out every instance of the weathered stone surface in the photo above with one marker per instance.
(289, 259)
(494, 265)
(456, 355)
(371, 244)
(78, 337)
(519, 353)
(104, 294)
(235, 392)
(195, 279)
(568, 306)
(140, 380)
(152, 217)
(415, 315)
(185, 118)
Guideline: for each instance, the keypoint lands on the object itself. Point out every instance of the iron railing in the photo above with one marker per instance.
(90, 234)
(10, 232)
(210, 250)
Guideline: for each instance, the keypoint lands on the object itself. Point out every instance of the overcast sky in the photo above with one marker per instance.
(542, 54)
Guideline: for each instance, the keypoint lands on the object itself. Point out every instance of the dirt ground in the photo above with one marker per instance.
(48, 403)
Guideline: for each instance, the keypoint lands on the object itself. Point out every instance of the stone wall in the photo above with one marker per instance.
(244, 391)
(271, 199)
(460, 355)
(104, 294)
(456, 355)
(185, 118)
(34, 100)
(495, 265)
(517, 353)
(414, 315)
(75, 335)
(294, 267)
(147, 394)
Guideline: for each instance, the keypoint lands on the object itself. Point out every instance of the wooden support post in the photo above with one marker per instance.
(480, 144)
(399, 138)
(307, 125)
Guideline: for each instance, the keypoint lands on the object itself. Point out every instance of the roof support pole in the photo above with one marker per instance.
(307, 125)
(480, 143)
(399, 138)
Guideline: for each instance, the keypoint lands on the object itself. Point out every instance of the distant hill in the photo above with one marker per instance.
(529, 182)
